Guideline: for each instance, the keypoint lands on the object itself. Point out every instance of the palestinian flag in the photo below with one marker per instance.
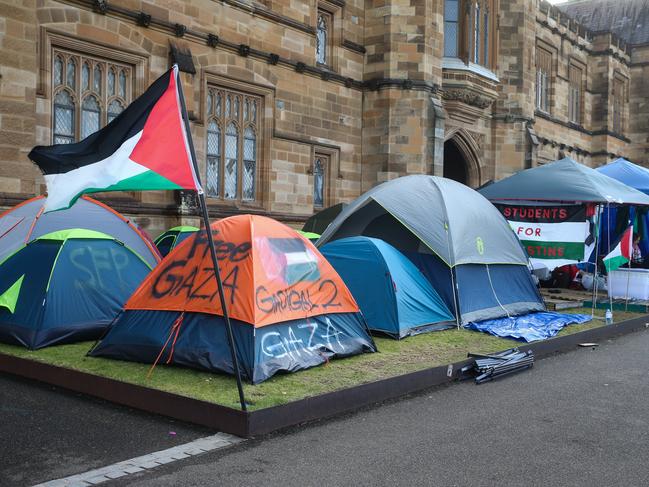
(621, 254)
(145, 148)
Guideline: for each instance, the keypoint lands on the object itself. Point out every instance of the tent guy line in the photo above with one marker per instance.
(146, 462)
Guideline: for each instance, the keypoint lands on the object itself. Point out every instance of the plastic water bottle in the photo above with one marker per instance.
(609, 317)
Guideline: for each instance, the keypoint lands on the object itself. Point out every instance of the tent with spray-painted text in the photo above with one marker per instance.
(289, 308)
(458, 240)
(65, 275)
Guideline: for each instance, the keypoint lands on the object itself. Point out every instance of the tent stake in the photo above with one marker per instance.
(210, 243)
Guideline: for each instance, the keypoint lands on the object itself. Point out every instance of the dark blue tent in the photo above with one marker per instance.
(393, 295)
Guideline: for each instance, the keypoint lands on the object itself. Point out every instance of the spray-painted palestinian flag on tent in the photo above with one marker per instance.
(289, 308)
(145, 148)
(552, 235)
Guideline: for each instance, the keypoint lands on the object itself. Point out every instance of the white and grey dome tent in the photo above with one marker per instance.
(456, 237)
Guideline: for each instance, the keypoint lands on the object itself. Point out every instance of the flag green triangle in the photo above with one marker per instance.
(9, 298)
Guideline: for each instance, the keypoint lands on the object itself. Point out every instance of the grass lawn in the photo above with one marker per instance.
(395, 358)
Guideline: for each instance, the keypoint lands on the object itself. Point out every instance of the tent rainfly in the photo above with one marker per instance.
(168, 240)
(289, 308)
(459, 241)
(60, 284)
(318, 222)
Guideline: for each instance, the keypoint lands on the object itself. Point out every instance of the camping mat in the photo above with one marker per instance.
(530, 327)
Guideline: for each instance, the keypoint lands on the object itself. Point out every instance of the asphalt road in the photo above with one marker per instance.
(580, 418)
(47, 433)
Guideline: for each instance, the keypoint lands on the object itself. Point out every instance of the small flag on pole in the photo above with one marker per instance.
(145, 148)
(622, 252)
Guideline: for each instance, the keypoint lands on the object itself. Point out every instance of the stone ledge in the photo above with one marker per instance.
(264, 421)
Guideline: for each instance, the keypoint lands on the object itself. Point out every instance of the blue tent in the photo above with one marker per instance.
(628, 173)
(64, 275)
(66, 286)
(393, 295)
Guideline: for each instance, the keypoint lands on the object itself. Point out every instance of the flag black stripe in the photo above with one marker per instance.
(62, 158)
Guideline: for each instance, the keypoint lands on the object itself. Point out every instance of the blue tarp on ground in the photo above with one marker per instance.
(530, 327)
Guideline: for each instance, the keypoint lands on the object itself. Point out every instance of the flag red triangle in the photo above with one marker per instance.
(163, 147)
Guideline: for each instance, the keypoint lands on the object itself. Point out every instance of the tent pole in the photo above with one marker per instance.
(210, 243)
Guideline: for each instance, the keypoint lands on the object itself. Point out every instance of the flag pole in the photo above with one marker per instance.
(210, 243)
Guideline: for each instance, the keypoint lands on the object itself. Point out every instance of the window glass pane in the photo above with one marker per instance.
(318, 183)
(114, 109)
(213, 158)
(122, 84)
(71, 74)
(218, 105)
(321, 38)
(96, 78)
(231, 161)
(228, 102)
(245, 110)
(63, 118)
(249, 164)
(253, 117)
(485, 44)
(451, 10)
(58, 71)
(90, 113)
(111, 83)
(450, 39)
(476, 34)
(209, 103)
(85, 77)
(236, 107)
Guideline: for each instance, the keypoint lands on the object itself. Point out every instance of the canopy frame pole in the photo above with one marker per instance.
(597, 215)
(608, 237)
(210, 243)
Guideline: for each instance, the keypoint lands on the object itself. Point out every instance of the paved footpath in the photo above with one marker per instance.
(576, 419)
(47, 433)
(580, 418)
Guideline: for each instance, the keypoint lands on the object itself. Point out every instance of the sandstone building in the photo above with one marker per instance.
(300, 104)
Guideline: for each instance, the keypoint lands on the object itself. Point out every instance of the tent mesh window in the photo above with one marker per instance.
(87, 93)
(232, 142)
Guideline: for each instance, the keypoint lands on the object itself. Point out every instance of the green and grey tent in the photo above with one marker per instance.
(310, 235)
(60, 283)
(168, 240)
(318, 222)
(457, 239)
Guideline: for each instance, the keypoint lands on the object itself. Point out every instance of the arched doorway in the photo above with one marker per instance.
(461, 160)
(454, 163)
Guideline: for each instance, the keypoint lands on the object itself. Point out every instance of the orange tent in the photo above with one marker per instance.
(289, 307)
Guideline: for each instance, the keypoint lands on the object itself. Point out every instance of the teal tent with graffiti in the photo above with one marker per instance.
(60, 283)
